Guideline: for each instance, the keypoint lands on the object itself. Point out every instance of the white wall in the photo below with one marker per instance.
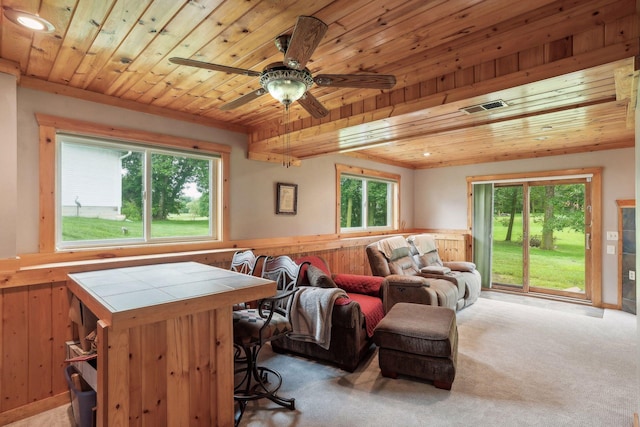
(316, 196)
(441, 195)
(8, 166)
(253, 183)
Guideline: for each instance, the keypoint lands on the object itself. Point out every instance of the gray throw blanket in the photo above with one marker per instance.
(424, 243)
(311, 312)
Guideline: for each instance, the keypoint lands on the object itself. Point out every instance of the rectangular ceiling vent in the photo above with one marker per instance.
(484, 107)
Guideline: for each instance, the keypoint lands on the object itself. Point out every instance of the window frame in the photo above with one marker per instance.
(368, 175)
(50, 126)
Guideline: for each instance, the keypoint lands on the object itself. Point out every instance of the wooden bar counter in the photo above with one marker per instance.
(165, 345)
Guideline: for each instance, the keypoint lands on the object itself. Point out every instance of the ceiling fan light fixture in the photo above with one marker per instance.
(284, 84)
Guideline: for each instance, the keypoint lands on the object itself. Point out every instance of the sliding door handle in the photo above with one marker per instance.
(587, 243)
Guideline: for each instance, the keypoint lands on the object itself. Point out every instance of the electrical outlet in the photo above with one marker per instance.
(632, 275)
(612, 235)
(611, 249)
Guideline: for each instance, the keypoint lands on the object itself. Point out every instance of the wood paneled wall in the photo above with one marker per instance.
(35, 326)
(34, 308)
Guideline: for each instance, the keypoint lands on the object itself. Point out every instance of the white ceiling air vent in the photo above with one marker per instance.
(484, 107)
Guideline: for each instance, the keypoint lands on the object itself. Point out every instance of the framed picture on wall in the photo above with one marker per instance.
(286, 198)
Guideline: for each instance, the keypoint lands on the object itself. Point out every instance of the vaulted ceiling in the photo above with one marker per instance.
(565, 72)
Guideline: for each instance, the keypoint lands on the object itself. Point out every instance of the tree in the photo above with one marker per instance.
(169, 175)
(132, 185)
(203, 204)
(547, 225)
(377, 203)
(563, 207)
(202, 184)
(508, 200)
(350, 202)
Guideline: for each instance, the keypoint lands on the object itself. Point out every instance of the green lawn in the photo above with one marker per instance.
(79, 228)
(561, 268)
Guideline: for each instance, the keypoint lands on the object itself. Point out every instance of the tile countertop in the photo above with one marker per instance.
(122, 290)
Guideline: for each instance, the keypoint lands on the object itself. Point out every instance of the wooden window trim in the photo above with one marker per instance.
(50, 125)
(369, 173)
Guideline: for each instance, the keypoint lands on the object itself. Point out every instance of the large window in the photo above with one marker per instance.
(120, 191)
(112, 192)
(368, 199)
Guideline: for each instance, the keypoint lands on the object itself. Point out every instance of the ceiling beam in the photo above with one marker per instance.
(454, 98)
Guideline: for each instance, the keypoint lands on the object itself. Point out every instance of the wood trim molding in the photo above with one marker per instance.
(33, 408)
(225, 181)
(47, 162)
(128, 134)
(53, 267)
(272, 158)
(596, 238)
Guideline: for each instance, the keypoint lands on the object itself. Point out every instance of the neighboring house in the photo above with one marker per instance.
(85, 168)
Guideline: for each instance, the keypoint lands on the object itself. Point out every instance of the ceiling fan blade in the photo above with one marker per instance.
(367, 81)
(313, 106)
(214, 67)
(243, 99)
(305, 39)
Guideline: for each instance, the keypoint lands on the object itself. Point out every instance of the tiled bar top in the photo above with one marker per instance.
(118, 291)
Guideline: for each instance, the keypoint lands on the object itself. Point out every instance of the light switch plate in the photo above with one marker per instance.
(612, 235)
(611, 249)
(632, 275)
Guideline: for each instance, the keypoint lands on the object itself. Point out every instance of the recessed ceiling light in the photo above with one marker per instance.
(547, 127)
(28, 20)
(426, 154)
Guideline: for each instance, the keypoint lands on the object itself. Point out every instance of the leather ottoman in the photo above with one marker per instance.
(419, 341)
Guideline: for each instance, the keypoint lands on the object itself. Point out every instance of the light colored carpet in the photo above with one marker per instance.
(519, 364)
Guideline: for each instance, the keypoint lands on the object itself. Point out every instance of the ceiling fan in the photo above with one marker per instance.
(290, 80)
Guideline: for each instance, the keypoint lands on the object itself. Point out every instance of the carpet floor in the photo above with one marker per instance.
(520, 363)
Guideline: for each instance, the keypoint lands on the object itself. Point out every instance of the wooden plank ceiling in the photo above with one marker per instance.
(565, 69)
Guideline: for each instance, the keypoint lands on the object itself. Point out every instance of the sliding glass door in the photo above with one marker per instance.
(541, 237)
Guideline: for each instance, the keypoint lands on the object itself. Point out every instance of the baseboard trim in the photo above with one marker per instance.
(611, 306)
(34, 408)
(538, 295)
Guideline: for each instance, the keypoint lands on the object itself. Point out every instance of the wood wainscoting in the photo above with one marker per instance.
(34, 307)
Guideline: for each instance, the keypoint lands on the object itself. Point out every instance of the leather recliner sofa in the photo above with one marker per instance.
(463, 274)
(414, 272)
